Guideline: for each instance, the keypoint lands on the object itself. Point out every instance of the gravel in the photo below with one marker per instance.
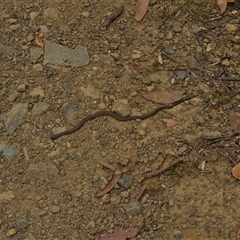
(47, 188)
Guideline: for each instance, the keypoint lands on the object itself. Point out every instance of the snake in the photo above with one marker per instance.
(119, 117)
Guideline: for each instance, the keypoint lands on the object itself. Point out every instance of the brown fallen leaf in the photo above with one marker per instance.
(170, 122)
(111, 184)
(37, 42)
(164, 97)
(118, 172)
(234, 120)
(122, 234)
(157, 163)
(221, 3)
(236, 171)
(141, 9)
(133, 160)
(4, 16)
(108, 165)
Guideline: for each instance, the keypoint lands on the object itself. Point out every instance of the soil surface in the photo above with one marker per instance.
(47, 188)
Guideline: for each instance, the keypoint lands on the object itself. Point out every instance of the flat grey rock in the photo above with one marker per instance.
(60, 57)
(70, 111)
(40, 108)
(43, 167)
(5, 50)
(9, 151)
(15, 117)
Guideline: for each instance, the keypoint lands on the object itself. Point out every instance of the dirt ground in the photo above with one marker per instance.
(47, 188)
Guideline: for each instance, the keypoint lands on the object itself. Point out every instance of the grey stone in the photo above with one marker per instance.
(103, 153)
(106, 59)
(30, 37)
(195, 28)
(181, 74)
(227, 106)
(58, 56)
(22, 223)
(211, 134)
(57, 130)
(21, 88)
(193, 81)
(36, 53)
(15, 27)
(69, 112)
(15, 117)
(9, 151)
(192, 63)
(121, 107)
(56, 209)
(42, 213)
(132, 208)
(176, 232)
(40, 108)
(15, 237)
(4, 50)
(115, 200)
(30, 237)
(125, 181)
(146, 80)
(169, 36)
(6, 196)
(43, 167)
(177, 27)
(169, 50)
(13, 96)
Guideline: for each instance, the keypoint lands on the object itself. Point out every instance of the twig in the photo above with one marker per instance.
(234, 94)
(140, 194)
(113, 16)
(169, 57)
(212, 19)
(157, 172)
(229, 79)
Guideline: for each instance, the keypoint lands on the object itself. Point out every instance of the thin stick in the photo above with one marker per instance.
(169, 57)
(140, 194)
(157, 172)
(112, 16)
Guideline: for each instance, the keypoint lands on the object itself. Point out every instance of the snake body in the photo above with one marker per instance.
(118, 117)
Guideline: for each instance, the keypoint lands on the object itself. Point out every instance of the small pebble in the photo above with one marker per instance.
(56, 209)
(11, 232)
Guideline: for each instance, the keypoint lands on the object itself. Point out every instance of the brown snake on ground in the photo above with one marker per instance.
(118, 117)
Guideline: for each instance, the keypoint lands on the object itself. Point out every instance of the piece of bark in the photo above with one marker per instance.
(112, 16)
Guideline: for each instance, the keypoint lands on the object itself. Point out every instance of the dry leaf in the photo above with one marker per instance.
(141, 9)
(236, 171)
(121, 234)
(133, 160)
(234, 120)
(111, 184)
(157, 163)
(170, 122)
(37, 42)
(108, 165)
(222, 5)
(164, 97)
